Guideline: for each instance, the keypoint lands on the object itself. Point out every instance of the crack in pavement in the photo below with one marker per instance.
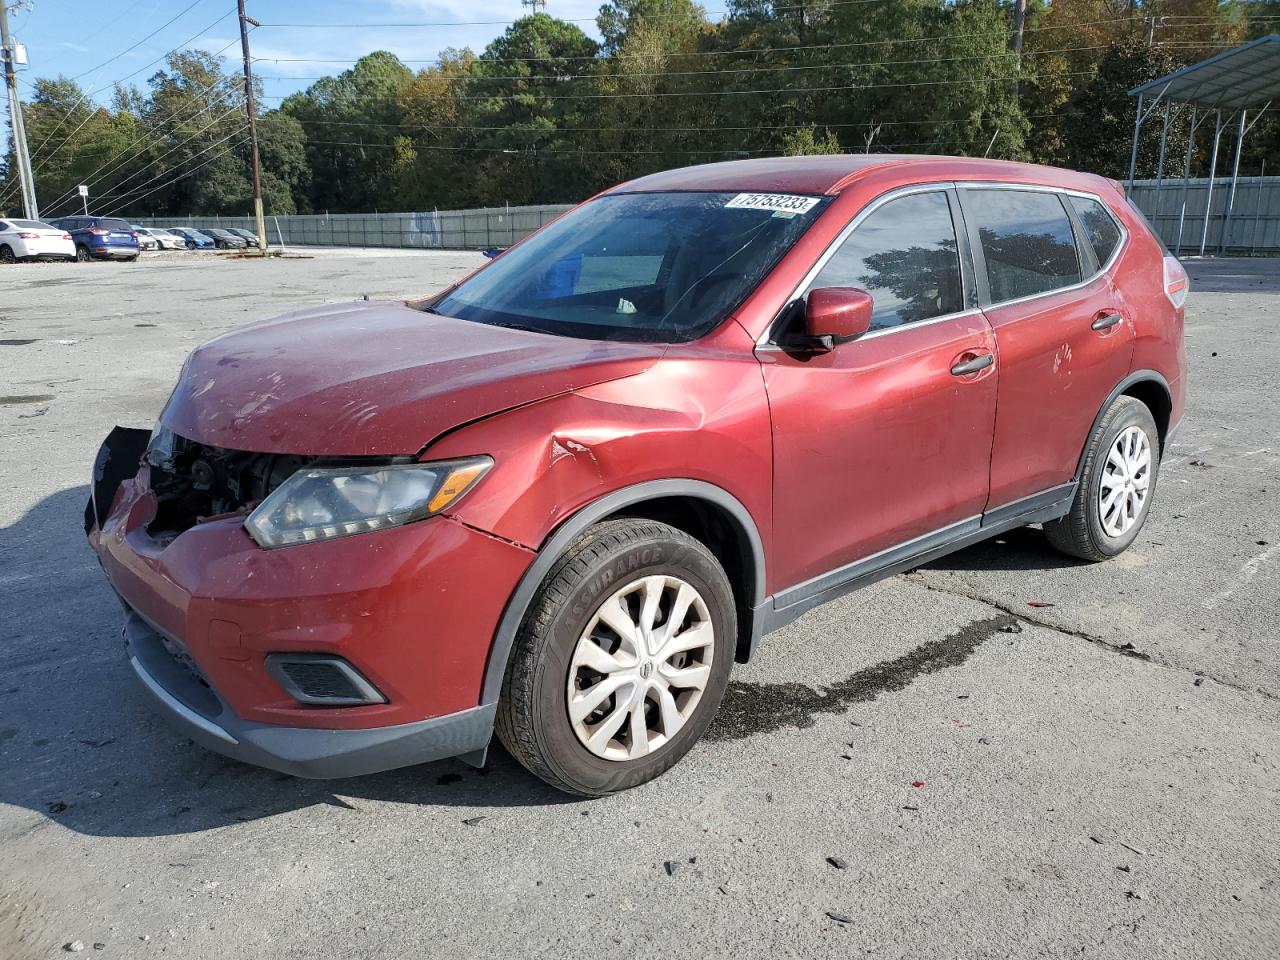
(915, 578)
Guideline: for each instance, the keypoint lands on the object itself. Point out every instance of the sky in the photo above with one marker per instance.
(111, 40)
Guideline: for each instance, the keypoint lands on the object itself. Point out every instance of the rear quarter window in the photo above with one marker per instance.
(1099, 226)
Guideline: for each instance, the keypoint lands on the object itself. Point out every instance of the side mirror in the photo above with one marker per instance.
(834, 314)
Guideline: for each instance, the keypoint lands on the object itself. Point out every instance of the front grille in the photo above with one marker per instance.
(322, 680)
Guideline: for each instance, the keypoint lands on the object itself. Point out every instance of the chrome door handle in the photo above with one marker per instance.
(1106, 321)
(973, 365)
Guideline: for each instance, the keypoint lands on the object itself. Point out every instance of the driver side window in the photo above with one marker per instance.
(904, 254)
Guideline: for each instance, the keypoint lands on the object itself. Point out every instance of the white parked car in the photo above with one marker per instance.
(146, 241)
(164, 240)
(33, 240)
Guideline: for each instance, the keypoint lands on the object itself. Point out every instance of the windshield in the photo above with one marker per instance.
(664, 267)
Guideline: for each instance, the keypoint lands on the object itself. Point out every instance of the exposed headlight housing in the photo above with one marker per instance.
(323, 503)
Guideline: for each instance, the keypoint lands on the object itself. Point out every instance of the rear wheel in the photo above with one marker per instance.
(1116, 485)
(622, 660)
(83, 254)
(6, 254)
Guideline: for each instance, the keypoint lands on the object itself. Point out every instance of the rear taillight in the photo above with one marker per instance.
(1176, 282)
(134, 234)
(28, 236)
(66, 236)
(99, 232)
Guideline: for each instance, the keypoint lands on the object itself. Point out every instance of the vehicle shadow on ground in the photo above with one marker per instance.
(80, 745)
(1023, 548)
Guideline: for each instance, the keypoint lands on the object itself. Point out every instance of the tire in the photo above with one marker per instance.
(6, 254)
(534, 720)
(83, 255)
(1086, 531)
(132, 259)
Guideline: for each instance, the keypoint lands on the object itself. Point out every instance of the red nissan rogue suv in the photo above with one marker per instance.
(559, 499)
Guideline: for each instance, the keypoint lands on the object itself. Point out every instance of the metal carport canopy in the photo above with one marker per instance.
(1244, 76)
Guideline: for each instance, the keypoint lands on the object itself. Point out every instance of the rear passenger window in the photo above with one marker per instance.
(904, 255)
(1026, 239)
(1099, 225)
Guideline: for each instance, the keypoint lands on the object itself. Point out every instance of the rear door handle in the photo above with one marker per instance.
(973, 365)
(1106, 321)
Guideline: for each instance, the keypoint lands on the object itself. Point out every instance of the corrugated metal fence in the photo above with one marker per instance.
(440, 230)
(1178, 214)
(1254, 225)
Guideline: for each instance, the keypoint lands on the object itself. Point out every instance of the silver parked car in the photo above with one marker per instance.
(162, 239)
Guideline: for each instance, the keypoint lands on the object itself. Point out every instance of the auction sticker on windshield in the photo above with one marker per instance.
(777, 202)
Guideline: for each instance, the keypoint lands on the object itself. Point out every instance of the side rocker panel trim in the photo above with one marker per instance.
(505, 636)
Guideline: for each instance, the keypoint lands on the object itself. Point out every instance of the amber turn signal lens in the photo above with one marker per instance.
(457, 483)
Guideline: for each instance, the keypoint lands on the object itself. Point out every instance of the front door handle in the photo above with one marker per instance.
(1105, 321)
(979, 362)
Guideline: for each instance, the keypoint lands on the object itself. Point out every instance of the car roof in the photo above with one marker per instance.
(830, 174)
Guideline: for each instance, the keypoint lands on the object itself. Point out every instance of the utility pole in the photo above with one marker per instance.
(26, 181)
(1019, 27)
(245, 20)
(1152, 23)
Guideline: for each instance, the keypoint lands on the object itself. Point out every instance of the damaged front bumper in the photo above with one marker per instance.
(412, 608)
(197, 711)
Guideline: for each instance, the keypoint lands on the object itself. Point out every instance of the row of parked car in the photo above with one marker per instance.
(108, 238)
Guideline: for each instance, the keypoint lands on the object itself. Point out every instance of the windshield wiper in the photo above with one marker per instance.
(527, 328)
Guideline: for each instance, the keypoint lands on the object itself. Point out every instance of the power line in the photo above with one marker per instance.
(214, 122)
(723, 71)
(114, 83)
(146, 135)
(86, 94)
(506, 23)
(154, 134)
(724, 93)
(134, 46)
(109, 166)
(231, 149)
(110, 195)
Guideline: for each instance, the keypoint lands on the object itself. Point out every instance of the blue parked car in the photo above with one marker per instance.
(195, 239)
(101, 238)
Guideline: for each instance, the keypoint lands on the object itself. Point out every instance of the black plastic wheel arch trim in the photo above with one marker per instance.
(1137, 376)
(505, 636)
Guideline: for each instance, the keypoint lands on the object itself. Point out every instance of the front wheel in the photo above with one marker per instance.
(1116, 485)
(621, 661)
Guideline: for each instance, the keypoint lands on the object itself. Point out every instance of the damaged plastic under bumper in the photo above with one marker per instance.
(316, 753)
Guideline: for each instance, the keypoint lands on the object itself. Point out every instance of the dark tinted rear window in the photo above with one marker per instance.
(1026, 239)
(1099, 225)
(107, 223)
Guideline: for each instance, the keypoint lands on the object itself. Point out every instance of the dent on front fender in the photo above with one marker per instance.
(697, 419)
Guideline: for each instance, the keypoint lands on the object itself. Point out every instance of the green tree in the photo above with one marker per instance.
(523, 91)
(351, 123)
(1099, 117)
(806, 142)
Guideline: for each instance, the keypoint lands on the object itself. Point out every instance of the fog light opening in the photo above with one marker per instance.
(322, 680)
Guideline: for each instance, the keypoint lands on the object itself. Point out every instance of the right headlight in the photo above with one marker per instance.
(324, 503)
